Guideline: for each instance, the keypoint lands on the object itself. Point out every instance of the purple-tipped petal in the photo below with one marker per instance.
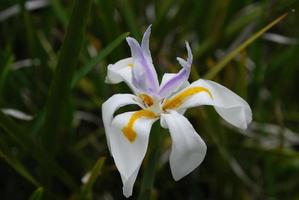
(135, 47)
(174, 83)
(180, 78)
(183, 62)
(186, 63)
(137, 71)
(190, 56)
(144, 74)
(145, 43)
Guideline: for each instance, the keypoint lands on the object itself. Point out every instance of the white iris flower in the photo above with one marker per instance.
(128, 133)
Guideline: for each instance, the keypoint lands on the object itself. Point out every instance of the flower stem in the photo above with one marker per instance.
(150, 170)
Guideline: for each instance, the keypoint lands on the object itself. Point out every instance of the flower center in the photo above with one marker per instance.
(154, 109)
(147, 100)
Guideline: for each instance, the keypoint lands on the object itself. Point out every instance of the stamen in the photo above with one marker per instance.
(180, 98)
(128, 130)
(147, 99)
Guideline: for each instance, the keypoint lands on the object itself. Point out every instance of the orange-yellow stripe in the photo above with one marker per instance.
(179, 99)
(128, 130)
(148, 100)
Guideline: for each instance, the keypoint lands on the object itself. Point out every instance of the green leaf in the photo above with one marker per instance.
(30, 30)
(220, 65)
(130, 18)
(48, 164)
(213, 126)
(59, 11)
(14, 163)
(4, 73)
(37, 194)
(149, 174)
(88, 67)
(95, 172)
(57, 103)
(109, 27)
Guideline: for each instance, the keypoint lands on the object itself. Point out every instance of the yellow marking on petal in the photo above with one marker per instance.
(148, 100)
(130, 65)
(180, 98)
(128, 130)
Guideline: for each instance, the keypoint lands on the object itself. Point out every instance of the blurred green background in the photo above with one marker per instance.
(52, 70)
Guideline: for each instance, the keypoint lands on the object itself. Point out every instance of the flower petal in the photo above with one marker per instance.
(144, 74)
(188, 149)
(121, 71)
(227, 104)
(128, 153)
(177, 80)
(145, 43)
(128, 183)
(167, 77)
(113, 104)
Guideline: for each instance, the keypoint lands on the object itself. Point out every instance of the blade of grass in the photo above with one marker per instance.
(221, 64)
(37, 194)
(156, 139)
(34, 48)
(60, 12)
(130, 18)
(45, 44)
(242, 79)
(213, 126)
(30, 36)
(241, 21)
(162, 10)
(4, 73)
(65, 69)
(88, 67)
(230, 30)
(48, 163)
(86, 191)
(216, 16)
(104, 16)
(18, 166)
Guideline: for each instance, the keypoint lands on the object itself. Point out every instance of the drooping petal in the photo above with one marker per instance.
(177, 80)
(144, 74)
(121, 71)
(188, 149)
(228, 105)
(128, 183)
(110, 106)
(128, 142)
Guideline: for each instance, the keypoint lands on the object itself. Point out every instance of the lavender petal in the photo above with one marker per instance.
(145, 43)
(174, 83)
(144, 73)
(181, 77)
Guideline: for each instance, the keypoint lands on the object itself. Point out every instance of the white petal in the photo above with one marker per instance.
(128, 155)
(128, 183)
(121, 71)
(228, 105)
(188, 149)
(113, 104)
